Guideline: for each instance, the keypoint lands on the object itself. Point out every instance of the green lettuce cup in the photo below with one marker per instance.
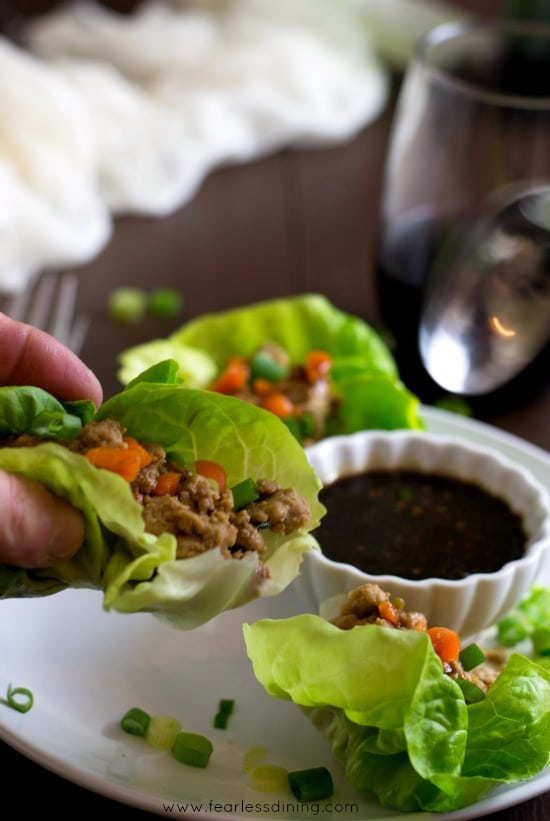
(136, 570)
(402, 730)
(364, 379)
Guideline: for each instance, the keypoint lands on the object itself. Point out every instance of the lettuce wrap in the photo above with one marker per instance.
(363, 376)
(136, 570)
(403, 730)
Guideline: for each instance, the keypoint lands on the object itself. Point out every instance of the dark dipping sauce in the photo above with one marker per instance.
(417, 526)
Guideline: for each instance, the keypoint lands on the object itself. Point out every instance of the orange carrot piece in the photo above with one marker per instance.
(234, 376)
(388, 612)
(446, 642)
(126, 461)
(144, 455)
(317, 365)
(167, 484)
(279, 404)
(262, 387)
(212, 470)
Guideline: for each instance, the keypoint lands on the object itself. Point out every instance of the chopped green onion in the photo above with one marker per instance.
(162, 731)
(470, 656)
(311, 785)
(266, 367)
(268, 778)
(127, 304)
(192, 749)
(165, 302)
(135, 721)
(244, 493)
(471, 691)
(225, 708)
(541, 641)
(12, 699)
(252, 757)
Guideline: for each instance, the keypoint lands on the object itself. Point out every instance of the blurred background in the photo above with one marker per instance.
(231, 181)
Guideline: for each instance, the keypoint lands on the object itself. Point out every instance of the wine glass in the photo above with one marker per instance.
(472, 123)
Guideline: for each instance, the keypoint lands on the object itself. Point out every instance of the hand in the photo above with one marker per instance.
(37, 528)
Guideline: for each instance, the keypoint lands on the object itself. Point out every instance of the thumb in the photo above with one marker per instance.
(37, 528)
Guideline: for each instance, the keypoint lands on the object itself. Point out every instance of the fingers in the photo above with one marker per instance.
(32, 357)
(37, 528)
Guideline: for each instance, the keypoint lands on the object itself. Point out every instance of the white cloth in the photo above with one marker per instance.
(50, 207)
(115, 114)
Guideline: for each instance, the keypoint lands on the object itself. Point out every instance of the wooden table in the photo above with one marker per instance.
(294, 222)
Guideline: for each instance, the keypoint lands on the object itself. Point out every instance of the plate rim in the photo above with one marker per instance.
(504, 797)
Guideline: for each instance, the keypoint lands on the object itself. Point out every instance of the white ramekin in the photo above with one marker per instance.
(467, 605)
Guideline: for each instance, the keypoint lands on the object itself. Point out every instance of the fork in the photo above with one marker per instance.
(49, 304)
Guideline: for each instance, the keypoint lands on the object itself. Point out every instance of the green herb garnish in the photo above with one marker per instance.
(18, 698)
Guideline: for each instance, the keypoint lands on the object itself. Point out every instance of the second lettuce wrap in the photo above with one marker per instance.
(402, 729)
(364, 374)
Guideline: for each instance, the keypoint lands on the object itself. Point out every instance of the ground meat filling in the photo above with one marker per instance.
(369, 604)
(199, 515)
(316, 399)
(365, 605)
(313, 399)
(202, 518)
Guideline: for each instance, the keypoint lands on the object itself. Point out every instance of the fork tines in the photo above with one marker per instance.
(49, 304)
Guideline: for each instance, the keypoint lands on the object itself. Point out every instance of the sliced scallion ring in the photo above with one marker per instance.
(135, 721)
(472, 693)
(19, 698)
(225, 708)
(268, 778)
(311, 785)
(192, 749)
(470, 656)
(244, 493)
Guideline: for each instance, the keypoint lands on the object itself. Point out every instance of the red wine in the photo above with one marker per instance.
(405, 260)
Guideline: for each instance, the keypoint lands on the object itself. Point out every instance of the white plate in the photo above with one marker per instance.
(106, 663)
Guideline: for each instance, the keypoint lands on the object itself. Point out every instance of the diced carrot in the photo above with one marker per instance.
(234, 376)
(446, 642)
(212, 470)
(278, 403)
(133, 445)
(126, 461)
(167, 484)
(317, 365)
(262, 387)
(388, 612)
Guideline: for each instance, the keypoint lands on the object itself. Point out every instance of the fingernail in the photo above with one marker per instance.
(66, 542)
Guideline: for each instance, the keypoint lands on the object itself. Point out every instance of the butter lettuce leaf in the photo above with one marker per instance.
(135, 570)
(34, 411)
(364, 372)
(401, 728)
